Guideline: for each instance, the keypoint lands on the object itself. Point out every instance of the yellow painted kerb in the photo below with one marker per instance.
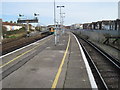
(60, 67)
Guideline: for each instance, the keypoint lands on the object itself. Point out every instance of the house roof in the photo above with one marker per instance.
(11, 24)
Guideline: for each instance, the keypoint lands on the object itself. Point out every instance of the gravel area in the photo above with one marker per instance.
(108, 49)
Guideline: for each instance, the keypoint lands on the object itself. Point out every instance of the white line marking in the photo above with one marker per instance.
(23, 47)
(89, 72)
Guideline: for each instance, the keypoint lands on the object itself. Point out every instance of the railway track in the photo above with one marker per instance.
(18, 43)
(105, 68)
(115, 47)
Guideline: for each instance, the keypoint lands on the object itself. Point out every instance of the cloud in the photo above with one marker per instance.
(75, 12)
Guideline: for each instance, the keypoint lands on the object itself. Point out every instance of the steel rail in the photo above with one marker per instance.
(112, 60)
(92, 64)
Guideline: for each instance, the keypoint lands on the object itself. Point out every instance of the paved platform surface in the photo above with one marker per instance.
(43, 63)
(76, 74)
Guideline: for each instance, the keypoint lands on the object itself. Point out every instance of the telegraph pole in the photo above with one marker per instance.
(60, 17)
(62, 20)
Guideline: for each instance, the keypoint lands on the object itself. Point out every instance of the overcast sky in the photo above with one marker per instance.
(75, 11)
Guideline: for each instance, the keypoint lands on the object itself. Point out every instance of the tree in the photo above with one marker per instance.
(11, 21)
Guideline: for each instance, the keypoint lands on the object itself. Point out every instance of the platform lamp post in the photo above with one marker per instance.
(55, 32)
(60, 16)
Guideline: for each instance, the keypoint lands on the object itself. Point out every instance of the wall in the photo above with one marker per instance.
(96, 35)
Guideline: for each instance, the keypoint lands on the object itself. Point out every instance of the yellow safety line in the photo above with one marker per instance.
(60, 68)
(22, 54)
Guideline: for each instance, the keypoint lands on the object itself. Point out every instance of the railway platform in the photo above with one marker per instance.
(44, 65)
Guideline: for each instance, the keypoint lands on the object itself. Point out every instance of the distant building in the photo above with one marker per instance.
(76, 26)
(43, 28)
(11, 26)
(106, 24)
(103, 25)
(111, 24)
(31, 27)
(67, 27)
(86, 25)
